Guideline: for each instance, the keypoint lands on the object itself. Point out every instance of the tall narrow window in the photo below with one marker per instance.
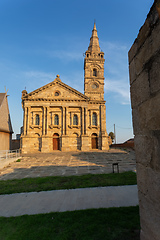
(94, 119)
(32, 118)
(95, 72)
(56, 119)
(51, 117)
(75, 119)
(37, 120)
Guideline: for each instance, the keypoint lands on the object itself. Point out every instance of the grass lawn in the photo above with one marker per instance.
(95, 224)
(71, 182)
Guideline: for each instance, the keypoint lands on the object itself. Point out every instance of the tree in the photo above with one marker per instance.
(111, 134)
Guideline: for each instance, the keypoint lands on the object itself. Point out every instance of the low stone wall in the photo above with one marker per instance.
(144, 67)
(123, 145)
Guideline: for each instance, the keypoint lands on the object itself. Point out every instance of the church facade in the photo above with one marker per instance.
(58, 117)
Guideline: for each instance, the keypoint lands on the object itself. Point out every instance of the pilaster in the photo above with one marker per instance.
(67, 120)
(85, 143)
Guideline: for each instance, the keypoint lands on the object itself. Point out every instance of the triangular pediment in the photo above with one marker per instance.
(56, 90)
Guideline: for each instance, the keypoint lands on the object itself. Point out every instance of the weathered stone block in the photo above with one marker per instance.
(132, 71)
(155, 39)
(149, 216)
(133, 51)
(153, 16)
(143, 33)
(149, 185)
(149, 114)
(144, 236)
(146, 231)
(146, 116)
(140, 90)
(136, 121)
(154, 74)
(144, 149)
(143, 56)
(153, 181)
(141, 178)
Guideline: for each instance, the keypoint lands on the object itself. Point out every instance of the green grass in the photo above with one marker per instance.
(18, 160)
(96, 224)
(71, 182)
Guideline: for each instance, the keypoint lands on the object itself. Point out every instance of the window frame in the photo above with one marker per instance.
(75, 120)
(37, 120)
(94, 119)
(56, 119)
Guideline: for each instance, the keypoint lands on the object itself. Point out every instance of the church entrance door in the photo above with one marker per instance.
(56, 141)
(94, 141)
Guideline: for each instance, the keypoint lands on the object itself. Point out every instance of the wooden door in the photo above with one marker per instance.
(55, 142)
(94, 142)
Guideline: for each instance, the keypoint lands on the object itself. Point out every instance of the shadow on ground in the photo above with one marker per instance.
(68, 163)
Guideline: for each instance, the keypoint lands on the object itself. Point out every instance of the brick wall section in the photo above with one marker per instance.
(144, 67)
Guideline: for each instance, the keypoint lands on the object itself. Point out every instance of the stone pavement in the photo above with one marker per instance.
(67, 200)
(68, 163)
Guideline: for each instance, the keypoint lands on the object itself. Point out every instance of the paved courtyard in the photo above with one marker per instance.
(69, 163)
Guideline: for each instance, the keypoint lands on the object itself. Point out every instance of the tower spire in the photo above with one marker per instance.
(94, 69)
(94, 41)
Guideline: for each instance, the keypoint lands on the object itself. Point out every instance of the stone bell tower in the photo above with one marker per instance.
(94, 69)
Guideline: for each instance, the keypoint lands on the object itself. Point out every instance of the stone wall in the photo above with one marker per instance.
(144, 67)
(15, 144)
(5, 141)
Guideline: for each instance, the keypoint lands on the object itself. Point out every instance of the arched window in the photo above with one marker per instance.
(56, 119)
(94, 72)
(94, 119)
(37, 120)
(75, 119)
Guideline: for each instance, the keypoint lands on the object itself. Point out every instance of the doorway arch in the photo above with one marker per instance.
(56, 141)
(94, 140)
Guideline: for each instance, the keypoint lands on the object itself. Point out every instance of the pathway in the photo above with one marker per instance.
(67, 200)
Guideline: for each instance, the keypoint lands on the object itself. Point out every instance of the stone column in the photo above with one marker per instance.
(85, 138)
(25, 121)
(86, 120)
(64, 138)
(47, 116)
(67, 120)
(82, 120)
(46, 141)
(90, 118)
(44, 121)
(28, 119)
(63, 116)
(99, 118)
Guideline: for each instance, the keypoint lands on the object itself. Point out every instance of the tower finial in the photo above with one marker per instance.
(94, 41)
(94, 24)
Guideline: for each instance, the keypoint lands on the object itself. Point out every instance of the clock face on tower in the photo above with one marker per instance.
(94, 86)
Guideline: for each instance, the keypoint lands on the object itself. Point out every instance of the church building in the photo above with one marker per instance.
(58, 117)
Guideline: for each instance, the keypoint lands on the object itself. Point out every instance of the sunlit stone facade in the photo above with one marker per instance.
(58, 117)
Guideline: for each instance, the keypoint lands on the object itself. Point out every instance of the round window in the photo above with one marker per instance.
(56, 94)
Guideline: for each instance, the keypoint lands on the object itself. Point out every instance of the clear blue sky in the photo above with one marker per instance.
(42, 38)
